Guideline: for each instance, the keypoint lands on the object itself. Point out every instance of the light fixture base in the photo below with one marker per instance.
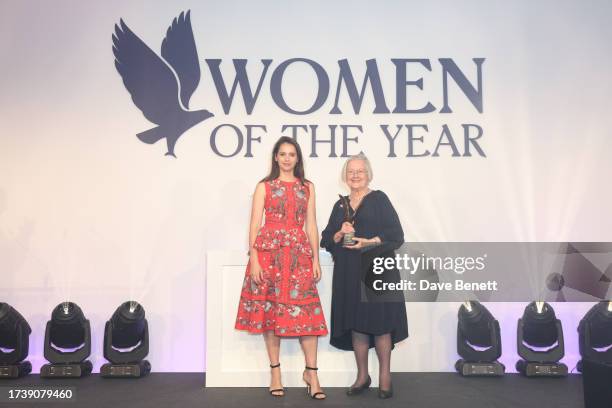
(533, 369)
(11, 371)
(131, 370)
(478, 369)
(75, 370)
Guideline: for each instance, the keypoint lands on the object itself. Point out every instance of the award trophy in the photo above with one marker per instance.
(348, 237)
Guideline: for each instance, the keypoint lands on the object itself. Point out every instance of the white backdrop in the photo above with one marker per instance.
(90, 214)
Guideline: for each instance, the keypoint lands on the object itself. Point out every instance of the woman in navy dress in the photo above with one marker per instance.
(358, 324)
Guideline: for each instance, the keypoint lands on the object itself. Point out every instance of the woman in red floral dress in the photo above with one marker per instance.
(279, 296)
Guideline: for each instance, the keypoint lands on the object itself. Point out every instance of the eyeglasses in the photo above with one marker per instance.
(359, 172)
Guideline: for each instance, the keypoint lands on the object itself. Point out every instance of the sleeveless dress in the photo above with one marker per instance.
(287, 301)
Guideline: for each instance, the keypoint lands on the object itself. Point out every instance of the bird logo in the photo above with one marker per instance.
(161, 87)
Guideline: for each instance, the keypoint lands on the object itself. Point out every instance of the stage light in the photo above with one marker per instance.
(126, 342)
(540, 342)
(14, 343)
(67, 343)
(478, 341)
(595, 334)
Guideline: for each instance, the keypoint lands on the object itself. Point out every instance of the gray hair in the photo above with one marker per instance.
(366, 162)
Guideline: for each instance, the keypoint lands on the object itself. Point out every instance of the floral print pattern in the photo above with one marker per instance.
(287, 300)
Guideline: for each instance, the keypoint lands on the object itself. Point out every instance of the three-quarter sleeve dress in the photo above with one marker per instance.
(350, 310)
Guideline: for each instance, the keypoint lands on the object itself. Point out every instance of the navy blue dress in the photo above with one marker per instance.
(375, 217)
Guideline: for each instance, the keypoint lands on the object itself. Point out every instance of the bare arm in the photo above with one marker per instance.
(254, 225)
(312, 232)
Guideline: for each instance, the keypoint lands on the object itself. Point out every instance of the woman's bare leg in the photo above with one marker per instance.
(273, 347)
(309, 347)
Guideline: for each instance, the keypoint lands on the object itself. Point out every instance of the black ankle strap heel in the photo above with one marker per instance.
(308, 387)
(277, 392)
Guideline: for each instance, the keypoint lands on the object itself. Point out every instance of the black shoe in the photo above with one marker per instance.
(384, 394)
(314, 396)
(278, 392)
(360, 388)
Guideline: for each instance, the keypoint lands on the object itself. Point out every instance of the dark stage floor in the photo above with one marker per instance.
(418, 390)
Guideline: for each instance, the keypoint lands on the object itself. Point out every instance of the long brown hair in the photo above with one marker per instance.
(298, 170)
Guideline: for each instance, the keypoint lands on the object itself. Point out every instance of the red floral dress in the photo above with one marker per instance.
(287, 300)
